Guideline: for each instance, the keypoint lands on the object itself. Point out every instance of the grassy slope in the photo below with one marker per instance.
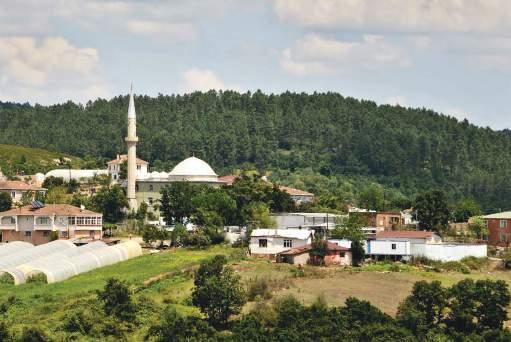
(35, 157)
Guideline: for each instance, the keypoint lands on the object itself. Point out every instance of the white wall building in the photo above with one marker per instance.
(306, 220)
(407, 244)
(114, 167)
(270, 242)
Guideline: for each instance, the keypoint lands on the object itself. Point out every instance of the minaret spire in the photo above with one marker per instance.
(131, 141)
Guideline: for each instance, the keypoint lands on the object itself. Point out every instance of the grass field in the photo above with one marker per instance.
(166, 278)
(35, 158)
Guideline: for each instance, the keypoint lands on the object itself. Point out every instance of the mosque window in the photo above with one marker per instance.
(150, 187)
(136, 187)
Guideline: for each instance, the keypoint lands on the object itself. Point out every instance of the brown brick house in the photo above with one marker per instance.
(499, 228)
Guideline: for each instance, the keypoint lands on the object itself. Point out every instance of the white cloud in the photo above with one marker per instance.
(399, 15)
(48, 70)
(315, 54)
(202, 80)
(177, 30)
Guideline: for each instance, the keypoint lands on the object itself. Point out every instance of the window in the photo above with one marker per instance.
(393, 246)
(503, 223)
(13, 220)
(63, 234)
(150, 200)
(13, 194)
(46, 233)
(263, 243)
(139, 167)
(503, 237)
(115, 176)
(342, 254)
(71, 220)
(136, 187)
(43, 221)
(150, 187)
(288, 243)
(28, 233)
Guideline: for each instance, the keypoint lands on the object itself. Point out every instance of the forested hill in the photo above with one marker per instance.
(409, 149)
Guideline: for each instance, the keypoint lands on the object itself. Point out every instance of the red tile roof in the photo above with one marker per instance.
(50, 209)
(228, 179)
(124, 158)
(410, 234)
(19, 185)
(294, 192)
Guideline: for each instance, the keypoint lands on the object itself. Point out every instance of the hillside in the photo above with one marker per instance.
(14, 159)
(343, 142)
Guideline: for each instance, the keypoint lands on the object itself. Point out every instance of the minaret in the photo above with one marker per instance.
(131, 141)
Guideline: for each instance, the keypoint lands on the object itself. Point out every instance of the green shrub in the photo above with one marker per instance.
(298, 272)
(6, 278)
(259, 288)
(455, 266)
(37, 278)
(474, 263)
(394, 268)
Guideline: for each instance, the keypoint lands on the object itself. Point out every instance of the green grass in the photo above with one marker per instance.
(36, 159)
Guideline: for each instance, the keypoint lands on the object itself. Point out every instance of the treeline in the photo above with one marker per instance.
(331, 135)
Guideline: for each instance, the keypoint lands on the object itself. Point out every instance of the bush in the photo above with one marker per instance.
(455, 266)
(474, 263)
(79, 321)
(197, 240)
(33, 334)
(258, 288)
(117, 301)
(37, 278)
(6, 278)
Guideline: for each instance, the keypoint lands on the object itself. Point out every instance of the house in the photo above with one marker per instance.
(34, 223)
(316, 221)
(270, 242)
(335, 255)
(387, 220)
(298, 196)
(406, 244)
(17, 189)
(499, 228)
(114, 167)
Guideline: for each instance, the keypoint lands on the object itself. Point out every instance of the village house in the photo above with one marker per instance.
(270, 242)
(17, 189)
(315, 221)
(114, 167)
(34, 223)
(386, 220)
(404, 244)
(335, 255)
(499, 228)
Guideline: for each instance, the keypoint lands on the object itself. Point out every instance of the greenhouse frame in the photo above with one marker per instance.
(63, 263)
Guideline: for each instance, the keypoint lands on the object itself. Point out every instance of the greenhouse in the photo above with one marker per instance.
(24, 255)
(13, 247)
(70, 262)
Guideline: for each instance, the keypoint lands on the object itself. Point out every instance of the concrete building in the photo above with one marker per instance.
(115, 165)
(270, 242)
(17, 189)
(406, 244)
(34, 223)
(499, 228)
(316, 221)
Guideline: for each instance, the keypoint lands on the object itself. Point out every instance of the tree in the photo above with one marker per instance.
(111, 202)
(432, 211)
(176, 327)
(178, 235)
(258, 215)
(52, 181)
(152, 234)
(351, 228)
(466, 209)
(5, 201)
(319, 250)
(214, 208)
(478, 227)
(117, 301)
(176, 202)
(218, 292)
(372, 197)
(209, 268)
(56, 195)
(123, 172)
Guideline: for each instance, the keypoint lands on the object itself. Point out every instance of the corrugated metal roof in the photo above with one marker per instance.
(502, 215)
(301, 234)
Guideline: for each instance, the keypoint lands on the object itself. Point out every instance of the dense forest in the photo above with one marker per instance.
(337, 141)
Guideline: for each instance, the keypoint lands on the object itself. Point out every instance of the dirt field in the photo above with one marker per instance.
(382, 288)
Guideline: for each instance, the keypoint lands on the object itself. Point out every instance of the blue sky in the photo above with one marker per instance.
(453, 56)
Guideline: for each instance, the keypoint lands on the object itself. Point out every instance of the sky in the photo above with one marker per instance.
(453, 56)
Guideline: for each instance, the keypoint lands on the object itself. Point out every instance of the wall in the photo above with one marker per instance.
(499, 236)
(275, 245)
(449, 252)
(334, 258)
(384, 247)
(285, 221)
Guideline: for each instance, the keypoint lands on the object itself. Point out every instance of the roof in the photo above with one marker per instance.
(295, 192)
(19, 185)
(193, 167)
(301, 234)
(50, 209)
(502, 215)
(332, 247)
(227, 179)
(121, 158)
(410, 234)
(131, 107)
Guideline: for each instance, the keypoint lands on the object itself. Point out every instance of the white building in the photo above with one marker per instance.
(16, 189)
(77, 175)
(407, 244)
(306, 220)
(114, 167)
(270, 242)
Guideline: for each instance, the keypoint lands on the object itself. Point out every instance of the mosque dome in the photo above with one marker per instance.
(193, 170)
